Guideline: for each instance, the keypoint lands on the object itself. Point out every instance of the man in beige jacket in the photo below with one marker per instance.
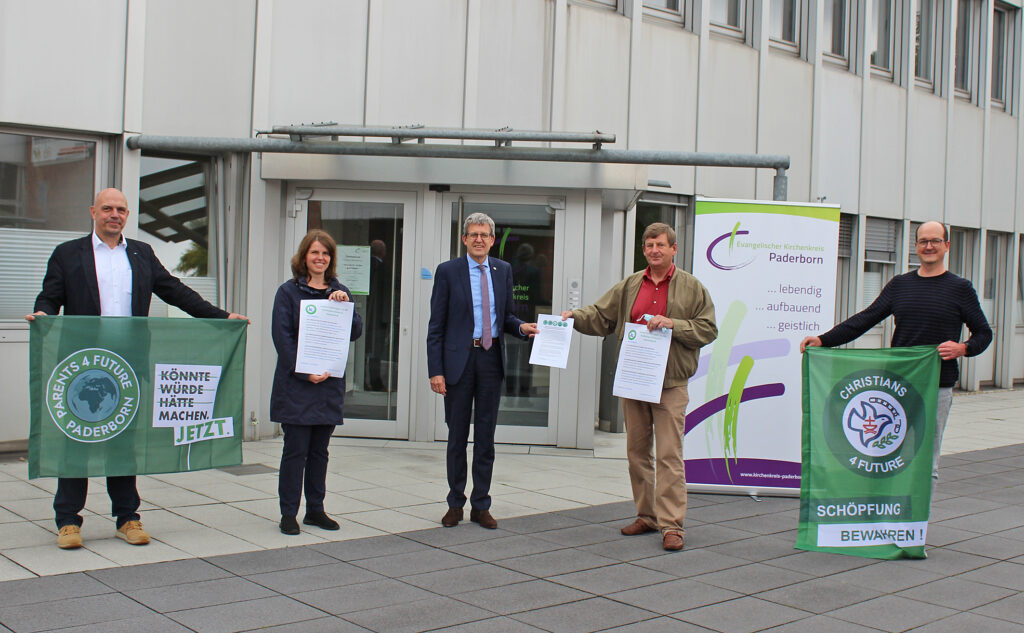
(663, 297)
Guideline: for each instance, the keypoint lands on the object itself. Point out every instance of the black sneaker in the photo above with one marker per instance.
(289, 526)
(321, 520)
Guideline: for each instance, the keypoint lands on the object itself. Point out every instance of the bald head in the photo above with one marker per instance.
(109, 214)
(931, 227)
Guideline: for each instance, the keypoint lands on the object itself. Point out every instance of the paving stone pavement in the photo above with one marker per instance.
(571, 571)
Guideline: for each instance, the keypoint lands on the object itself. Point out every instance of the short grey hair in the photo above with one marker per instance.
(477, 218)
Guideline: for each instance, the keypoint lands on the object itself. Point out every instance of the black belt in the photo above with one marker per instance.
(477, 343)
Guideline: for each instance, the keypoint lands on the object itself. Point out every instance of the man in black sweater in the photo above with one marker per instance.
(930, 307)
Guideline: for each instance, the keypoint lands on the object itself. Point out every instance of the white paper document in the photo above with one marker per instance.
(551, 344)
(643, 356)
(325, 328)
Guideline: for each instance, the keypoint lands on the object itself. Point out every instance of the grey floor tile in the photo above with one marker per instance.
(359, 549)
(1002, 574)
(336, 574)
(158, 574)
(497, 549)
(562, 561)
(47, 588)
(148, 623)
(239, 616)
(1010, 609)
(947, 562)
(595, 614)
(962, 622)
(410, 563)
(660, 625)
(44, 616)
(423, 615)
(762, 523)
(369, 595)
(820, 563)
(888, 577)
(714, 534)
(689, 563)
(743, 615)
(523, 596)
(753, 578)
(451, 581)
(270, 560)
(742, 508)
(500, 624)
(534, 523)
(581, 535)
(957, 593)
(940, 535)
(630, 549)
(820, 624)
(757, 549)
(320, 625)
(620, 511)
(446, 537)
(199, 594)
(992, 546)
(892, 613)
(819, 595)
(604, 580)
(673, 596)
(989, 522)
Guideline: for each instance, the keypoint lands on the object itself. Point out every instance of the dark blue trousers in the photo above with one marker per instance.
(70, 499)
(304, 459)
(478, 392)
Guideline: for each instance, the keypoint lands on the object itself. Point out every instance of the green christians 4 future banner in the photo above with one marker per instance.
(868, 432)
(113, 396)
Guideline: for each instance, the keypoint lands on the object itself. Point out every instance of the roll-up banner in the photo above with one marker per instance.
(771, 270)
(113, 396)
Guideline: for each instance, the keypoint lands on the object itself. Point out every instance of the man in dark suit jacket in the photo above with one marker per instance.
(470, 307)
(121, 285)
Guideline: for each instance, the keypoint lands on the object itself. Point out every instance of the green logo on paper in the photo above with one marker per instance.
(311, 309)
(874, 422)
(92, 395)
(632, 335)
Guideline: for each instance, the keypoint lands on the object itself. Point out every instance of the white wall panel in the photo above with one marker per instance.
(885, 134)
(786, 103)
(198, 67)
(839, 145)
(964, 205)
(318, 64)
(927, 156)
(728, 117)
(667, 69)
(513, 64)
(62, 64)
(597, 71)
(420, 52)
(1000, 172)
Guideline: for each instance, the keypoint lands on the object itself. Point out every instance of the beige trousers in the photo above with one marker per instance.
(654, 447)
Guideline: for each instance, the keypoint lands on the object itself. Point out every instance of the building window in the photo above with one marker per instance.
(664, 5)
(728, 13)
(835, 40)
(1020, 283)
(880, 34)
(46, 187)
(1002, 21)
(962, 65)
(177, 218)
(879, 257)
(924, 40)
(847, 229)
(913, 261)
(784, 21)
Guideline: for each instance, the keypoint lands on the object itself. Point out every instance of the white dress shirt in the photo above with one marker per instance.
(113, 276)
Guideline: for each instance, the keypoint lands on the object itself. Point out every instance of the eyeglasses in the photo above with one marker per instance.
(935, 241)
(478, 236)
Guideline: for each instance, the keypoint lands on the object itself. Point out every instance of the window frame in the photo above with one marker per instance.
(844, 59)
(799, 19)
(934, 63)
(1010, 45)
(738, 32)
(887, 71)
(971, 50)
(678, 16)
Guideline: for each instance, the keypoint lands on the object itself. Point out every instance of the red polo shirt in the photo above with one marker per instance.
(652, 298)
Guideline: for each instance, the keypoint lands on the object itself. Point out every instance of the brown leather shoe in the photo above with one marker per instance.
(637, 527)
(452, 517)
(484, 518)
(672, 541)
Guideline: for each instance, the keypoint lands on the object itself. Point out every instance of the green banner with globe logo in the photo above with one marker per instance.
(113, 396)
(868, 433)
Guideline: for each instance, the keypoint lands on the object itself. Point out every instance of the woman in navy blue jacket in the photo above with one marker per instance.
(308, 406)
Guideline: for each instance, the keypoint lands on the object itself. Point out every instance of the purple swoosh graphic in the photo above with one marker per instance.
(768, 348)
(711, 407)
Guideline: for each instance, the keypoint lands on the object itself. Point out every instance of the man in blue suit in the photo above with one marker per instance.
(470, 307)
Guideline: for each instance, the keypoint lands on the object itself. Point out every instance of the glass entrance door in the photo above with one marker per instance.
(525, 237)
(370, 229)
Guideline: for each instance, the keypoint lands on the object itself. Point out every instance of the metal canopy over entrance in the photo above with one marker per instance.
(324, 140)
